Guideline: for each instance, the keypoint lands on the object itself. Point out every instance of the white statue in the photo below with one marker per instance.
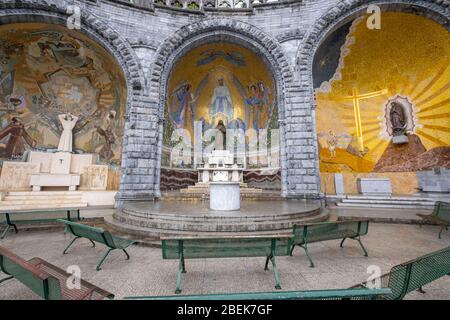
(68, 122)
(221, 101)
(221, 131)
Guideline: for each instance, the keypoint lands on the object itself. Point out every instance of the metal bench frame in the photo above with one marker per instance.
(13, 224)
(270, 257)
(107, 239)
(414, 274)
(435, 217)
(306, 228)
(48, 286)
(335, 294)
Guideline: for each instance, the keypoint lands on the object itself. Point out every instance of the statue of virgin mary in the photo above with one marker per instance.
(221, 102)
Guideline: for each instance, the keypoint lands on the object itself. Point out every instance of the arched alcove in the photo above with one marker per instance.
(225, 82)
(235, 33)
(118, 56)
(380, 99)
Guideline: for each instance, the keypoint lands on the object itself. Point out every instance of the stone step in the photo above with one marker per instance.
(397, 205)
(52, 205)
(264, 196)
(206, 185)
(43, 193)
(200, 191)
(387, 201)
(392, 198)
(42, 198)
(217, 219)
(140, 231)
(39, 202)
(234, 229)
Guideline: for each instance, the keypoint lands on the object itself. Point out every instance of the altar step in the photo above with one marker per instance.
(396, 202)
(194, 190)
(201, 188)
(29, 200)
(200, 196)
(176, 226)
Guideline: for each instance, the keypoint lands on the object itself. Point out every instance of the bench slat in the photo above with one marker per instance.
(442, 210)
(223, 248)
(330, 231)
(352, 294)
(85, 231)
(414, 274)
(36, 280)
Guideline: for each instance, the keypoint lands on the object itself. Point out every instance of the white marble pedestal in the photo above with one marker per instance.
(225, 196)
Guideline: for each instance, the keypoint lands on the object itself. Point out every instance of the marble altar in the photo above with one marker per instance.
(224, 178)
(225, 196)
(60, 169)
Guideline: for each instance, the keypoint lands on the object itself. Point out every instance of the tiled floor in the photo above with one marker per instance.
(148, 274)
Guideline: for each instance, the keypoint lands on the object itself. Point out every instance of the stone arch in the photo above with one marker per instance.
(346, 11)
(343, 12)
(234, 31)
(94, 28)
(55, 13)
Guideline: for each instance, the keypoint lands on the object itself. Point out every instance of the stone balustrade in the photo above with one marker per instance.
(202, 5)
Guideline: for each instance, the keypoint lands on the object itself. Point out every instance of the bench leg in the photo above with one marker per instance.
(126, 253)
(103, 259)
(5, 232)
(68, 246)
(305, 247)
(275, 274)
(266, 267)
(6, 279)
(362, 246)
(440, 232)
(9, 225)
(442, 229)
(181, 269)
(342, 243)
(93, 243)
(292, 250)
(420, 290)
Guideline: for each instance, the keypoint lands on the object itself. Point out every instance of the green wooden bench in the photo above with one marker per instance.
(338, 294)
(225, 247)
(316, 232)
(440, 216)
(14, 217)
(96, 235)
(46, 280)
(413, 275)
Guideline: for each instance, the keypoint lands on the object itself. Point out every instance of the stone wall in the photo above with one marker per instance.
(146, 40)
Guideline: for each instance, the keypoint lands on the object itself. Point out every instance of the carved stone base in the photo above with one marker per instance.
(71, 181)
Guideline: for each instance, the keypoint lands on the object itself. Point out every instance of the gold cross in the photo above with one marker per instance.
(356, 97)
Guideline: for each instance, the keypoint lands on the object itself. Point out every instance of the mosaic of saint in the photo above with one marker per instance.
(219, 83)
(48, 70)
(383, 96)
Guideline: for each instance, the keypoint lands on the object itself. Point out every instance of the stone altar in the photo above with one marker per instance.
(225, 196)
(60, 169)
(224, 178)
(220, 167)
(59, 175)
